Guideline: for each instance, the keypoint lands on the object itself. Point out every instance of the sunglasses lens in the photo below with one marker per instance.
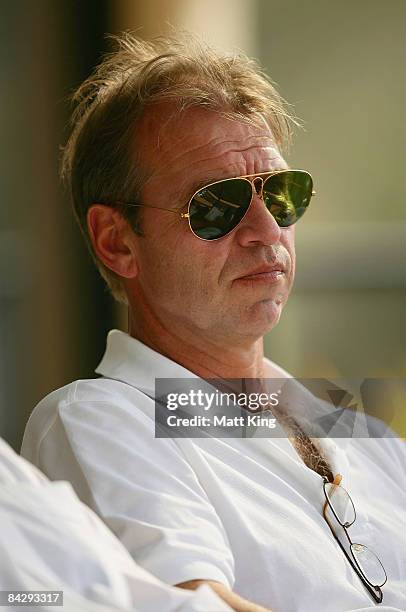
(217, 209)
(287, 195)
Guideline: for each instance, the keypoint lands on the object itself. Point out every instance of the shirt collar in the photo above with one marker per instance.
(129, 360)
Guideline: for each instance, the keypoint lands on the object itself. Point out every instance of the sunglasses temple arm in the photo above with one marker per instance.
(134, 204)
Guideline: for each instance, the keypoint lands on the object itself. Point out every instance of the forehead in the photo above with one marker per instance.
(199, 142)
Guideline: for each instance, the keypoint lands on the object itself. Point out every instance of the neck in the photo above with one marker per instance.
(198, 352)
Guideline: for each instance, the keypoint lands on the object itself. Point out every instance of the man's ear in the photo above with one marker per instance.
(112, 237)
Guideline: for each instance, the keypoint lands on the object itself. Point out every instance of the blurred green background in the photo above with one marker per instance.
(342, 66)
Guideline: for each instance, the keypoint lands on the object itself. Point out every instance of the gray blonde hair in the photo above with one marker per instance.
(100, 161)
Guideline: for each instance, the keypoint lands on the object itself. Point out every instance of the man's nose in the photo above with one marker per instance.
(258, 226)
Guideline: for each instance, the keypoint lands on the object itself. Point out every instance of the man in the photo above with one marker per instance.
(50, 542)
(206, 265)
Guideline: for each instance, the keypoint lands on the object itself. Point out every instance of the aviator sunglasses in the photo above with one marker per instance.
(218, 208)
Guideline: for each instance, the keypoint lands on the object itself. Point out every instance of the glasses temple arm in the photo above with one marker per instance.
(134, 204)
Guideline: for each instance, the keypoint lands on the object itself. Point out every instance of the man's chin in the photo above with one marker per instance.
(262, 317)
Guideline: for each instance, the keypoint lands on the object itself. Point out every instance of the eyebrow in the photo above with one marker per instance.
(204, 181)
(186, 193)
(213, 178)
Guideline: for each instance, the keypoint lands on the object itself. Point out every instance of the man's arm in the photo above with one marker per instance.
(236, 602)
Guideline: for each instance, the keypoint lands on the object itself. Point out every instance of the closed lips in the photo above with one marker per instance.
(264, 270)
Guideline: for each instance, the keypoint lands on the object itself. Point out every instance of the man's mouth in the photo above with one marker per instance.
(264, 274)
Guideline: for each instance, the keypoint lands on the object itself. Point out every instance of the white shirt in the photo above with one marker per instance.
(49, 540)
(244, 512)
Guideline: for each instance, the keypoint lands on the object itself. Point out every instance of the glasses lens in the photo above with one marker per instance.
(369, 564)
(217, 209)
(287, 195)
(341, 503)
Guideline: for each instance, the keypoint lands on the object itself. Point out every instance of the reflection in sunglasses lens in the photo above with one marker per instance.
(287, 195)
(217, 209)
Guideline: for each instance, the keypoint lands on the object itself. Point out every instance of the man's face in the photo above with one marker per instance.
(211, 288)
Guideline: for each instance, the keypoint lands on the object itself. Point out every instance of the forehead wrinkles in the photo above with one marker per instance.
(165, 137)
(185, 150)
(216, 148)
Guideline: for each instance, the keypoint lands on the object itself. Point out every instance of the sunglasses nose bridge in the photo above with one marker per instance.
(258, 185)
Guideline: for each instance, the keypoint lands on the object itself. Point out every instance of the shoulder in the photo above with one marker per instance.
(14, 470)
(82, 393)
(93, 403)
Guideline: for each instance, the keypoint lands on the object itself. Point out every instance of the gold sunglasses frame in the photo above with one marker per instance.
(246, 177)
